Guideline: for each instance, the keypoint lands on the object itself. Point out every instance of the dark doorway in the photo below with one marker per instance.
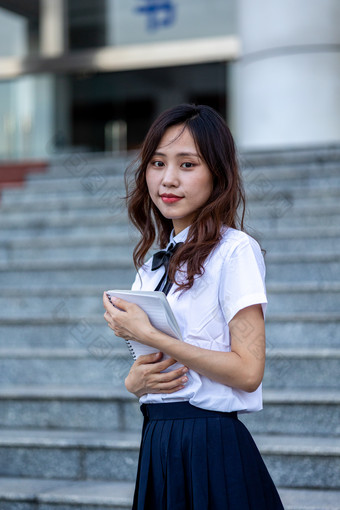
(137, 97)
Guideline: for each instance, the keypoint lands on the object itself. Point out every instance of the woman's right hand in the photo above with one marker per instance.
(145, 376)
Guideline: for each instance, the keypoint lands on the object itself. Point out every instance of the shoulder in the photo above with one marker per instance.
(233, 240)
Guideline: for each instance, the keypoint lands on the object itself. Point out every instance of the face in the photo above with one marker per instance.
(178, 179)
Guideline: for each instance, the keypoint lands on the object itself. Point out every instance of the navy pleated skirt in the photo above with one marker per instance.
(195, 459)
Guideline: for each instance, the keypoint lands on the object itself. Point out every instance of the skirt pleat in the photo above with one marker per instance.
(188, 426)
(195, 459)
(199, 465)
(250, 464)
(175, 497)
(217, 477)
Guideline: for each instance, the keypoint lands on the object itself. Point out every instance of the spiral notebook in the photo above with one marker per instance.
(156, 306)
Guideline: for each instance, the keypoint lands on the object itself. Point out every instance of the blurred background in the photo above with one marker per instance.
(82, 74)
(80, 83)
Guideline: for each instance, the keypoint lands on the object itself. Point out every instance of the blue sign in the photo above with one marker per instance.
(159, 13)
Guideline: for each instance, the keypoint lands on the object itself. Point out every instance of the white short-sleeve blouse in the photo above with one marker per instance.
(234, 278)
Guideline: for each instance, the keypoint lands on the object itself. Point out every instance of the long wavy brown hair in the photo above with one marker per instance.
(225, 206)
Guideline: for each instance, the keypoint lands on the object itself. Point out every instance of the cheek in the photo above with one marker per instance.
(149, 182)
(205, 187)
(152, 183)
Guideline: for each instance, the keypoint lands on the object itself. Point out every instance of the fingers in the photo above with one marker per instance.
(106, 302)
(164, 364)
(149, 358)
(170, 389)
(154, 358)
(158, 366)
(114, 302)
(169, 386)
(107, 317)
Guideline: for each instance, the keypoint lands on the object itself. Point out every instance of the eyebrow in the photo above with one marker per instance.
(181, 154)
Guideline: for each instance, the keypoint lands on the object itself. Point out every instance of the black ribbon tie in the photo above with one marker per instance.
(162, 258)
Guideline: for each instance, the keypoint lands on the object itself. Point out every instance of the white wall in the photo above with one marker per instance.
(286, 88)
(13, 34)
(184, 19)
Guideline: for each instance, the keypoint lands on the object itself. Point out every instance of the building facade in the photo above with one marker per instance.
(92, 74)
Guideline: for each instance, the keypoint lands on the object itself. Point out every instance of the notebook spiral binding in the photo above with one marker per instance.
(132, 352)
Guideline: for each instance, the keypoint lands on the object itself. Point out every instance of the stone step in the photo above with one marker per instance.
(303, 330)
(295, 233)
(72, 221)
(61, 202)
(77, 230)
(68, 167)
(293, 245)
(64, 201)
(104, 212)
(64, 331)
(87, 249)
(321, 298)
(121, 237)
(74, 231)
(40, 494)
(291, 240)
(296, 412)
(83, 207)
(106, 363)
(279, 220)
(65, 275)
(267, 192)
(106, 408)
(83, 291)
(293, 461)
(81, 165)
(100, 362)
(256, 172)
(61, 332)
(103, 187)
(78, 196)
(292, 155)
(66, 254)
(295, 208)
(266, 178)
(66, 197)
(312, 298)
(84, 407)
(65, 219)
(301, 499)
(304, 267)
(67, 454)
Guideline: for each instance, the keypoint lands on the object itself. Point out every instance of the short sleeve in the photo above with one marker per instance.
(242, 280)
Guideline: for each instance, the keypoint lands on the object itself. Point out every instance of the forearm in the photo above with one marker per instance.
(241, 368)
(224, 367)
(147, 376)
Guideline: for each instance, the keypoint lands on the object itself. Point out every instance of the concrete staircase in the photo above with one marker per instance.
(69, 431)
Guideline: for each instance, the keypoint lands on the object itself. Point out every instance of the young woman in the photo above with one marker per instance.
(195, 454)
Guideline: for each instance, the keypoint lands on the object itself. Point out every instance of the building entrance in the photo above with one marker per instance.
(114, 110)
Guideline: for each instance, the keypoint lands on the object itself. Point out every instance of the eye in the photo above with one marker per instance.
(187, 164)
(157, 164)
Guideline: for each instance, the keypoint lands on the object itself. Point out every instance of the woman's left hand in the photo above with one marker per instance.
(129, 322)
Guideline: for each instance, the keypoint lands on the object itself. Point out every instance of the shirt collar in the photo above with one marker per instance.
(180, 238)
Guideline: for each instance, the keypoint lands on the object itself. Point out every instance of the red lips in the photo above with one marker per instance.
(170, 198)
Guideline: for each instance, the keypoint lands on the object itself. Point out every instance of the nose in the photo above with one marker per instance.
(170, 176)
